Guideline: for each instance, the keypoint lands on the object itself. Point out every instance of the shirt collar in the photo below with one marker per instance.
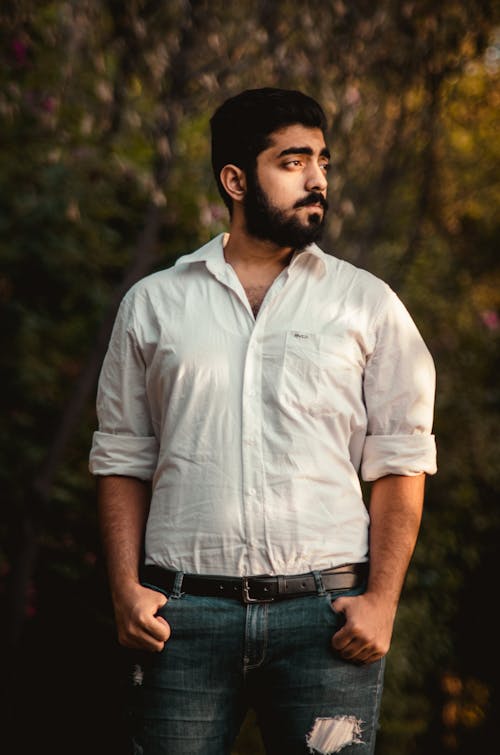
(311, 254)
(212, 254)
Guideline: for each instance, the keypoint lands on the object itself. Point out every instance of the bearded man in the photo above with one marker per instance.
(245, 392)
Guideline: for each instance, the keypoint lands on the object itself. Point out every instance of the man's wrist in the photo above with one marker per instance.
(383, 595)
(124, 585)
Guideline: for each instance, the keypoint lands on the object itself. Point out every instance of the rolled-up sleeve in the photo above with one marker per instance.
(125, 443)
(399, 389)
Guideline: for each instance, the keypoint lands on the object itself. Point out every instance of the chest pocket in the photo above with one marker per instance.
(321, 373)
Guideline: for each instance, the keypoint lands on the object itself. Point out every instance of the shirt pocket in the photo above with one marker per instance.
(321, 373)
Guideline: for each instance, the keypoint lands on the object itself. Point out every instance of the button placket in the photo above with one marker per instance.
(251, 442)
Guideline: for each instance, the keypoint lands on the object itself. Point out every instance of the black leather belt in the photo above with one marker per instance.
(260, 589)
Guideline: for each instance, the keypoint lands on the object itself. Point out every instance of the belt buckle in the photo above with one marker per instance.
(246, 594)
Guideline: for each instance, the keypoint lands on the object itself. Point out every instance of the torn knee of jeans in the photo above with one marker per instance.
(329, 735)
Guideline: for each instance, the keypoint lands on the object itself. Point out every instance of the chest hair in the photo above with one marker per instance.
(255, 295)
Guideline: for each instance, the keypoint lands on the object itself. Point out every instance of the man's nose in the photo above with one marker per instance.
(316, 179)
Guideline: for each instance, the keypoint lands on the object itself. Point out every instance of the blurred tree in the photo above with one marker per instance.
(105, 175)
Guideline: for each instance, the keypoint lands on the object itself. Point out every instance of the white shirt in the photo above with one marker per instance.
(253, 430)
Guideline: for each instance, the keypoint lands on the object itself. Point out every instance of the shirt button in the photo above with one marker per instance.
(252, 491)
(252, 392)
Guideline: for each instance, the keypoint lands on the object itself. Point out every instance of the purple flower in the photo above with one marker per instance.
(491, 319)
(49, 104)
(20, 51)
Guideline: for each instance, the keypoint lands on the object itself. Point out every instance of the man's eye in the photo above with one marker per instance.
(293, 163)
(326, 167)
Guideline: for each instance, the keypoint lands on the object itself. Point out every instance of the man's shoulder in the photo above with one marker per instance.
(148, 289)
(173, 276)
(349, 275)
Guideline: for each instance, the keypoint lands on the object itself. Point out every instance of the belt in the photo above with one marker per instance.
(258, 589)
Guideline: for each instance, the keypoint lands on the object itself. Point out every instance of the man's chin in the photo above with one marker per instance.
(314, 219)
(310, 233)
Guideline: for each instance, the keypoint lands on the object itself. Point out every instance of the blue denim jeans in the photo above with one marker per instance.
(224, 657)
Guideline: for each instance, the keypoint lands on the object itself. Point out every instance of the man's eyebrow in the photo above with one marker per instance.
(325, 152)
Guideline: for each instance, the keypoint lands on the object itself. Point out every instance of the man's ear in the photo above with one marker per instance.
(234, 181)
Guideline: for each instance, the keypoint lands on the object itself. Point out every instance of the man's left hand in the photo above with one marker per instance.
(366, 634)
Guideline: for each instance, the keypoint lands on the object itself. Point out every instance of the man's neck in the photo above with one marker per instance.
(251, 256)
(256, 263)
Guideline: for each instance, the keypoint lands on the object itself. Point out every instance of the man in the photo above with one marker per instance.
(248, 385)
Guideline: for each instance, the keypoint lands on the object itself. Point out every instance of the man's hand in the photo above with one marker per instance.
(138, 625)
(366, 635)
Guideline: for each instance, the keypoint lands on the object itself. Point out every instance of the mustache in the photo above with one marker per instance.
(312, 198)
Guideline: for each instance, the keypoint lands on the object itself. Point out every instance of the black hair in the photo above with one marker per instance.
(242, 125)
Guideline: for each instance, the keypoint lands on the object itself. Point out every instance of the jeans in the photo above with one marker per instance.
(224, 657)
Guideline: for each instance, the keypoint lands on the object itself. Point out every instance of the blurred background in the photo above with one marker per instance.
(105, 176)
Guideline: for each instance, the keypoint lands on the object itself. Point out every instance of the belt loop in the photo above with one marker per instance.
(176, 587)
(319, 583)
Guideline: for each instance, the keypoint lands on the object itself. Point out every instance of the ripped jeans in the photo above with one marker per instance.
(224, 657)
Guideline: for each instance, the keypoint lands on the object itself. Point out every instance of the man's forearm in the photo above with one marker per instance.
(395, 514)
(123, 509)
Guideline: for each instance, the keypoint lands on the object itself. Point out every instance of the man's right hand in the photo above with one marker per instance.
(137, 622)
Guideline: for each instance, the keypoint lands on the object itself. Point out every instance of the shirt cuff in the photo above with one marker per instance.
(407, 455)
(123, 455)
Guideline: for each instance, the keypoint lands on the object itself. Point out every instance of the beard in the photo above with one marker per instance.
(267, 222)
